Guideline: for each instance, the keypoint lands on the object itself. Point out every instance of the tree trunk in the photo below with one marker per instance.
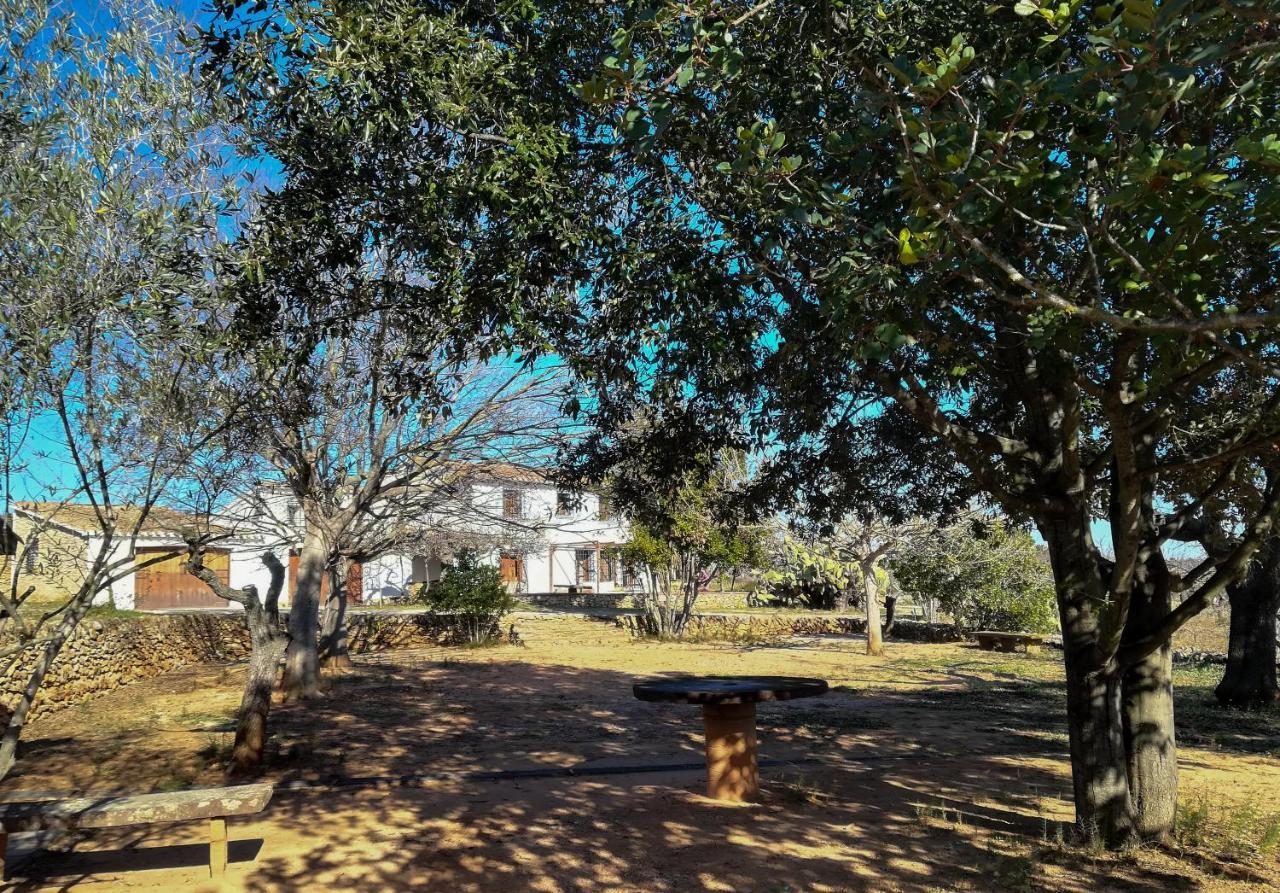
(890, 607)
(1250, 676)
(302, 664)
(266, 644)
(1095, 715)
(875, 634)
(333, 634)
(1147, 689)
(255, 704)
(1099, 766)
(668, 613)
(18, 718)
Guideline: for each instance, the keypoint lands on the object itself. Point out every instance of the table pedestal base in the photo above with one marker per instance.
(731, 752)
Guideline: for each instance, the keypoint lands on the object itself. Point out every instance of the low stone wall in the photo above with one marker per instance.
(568, 601)
(736, 627)
(707, 601)
(103, 655)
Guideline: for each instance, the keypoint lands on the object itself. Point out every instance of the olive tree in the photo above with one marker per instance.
(117, 193)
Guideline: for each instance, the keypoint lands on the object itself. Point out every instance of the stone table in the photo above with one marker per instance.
(729, 715)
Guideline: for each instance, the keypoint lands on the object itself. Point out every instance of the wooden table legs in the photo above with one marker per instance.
(731, 752)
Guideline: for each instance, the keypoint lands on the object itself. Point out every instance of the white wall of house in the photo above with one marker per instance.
(119, 593)
(545, 536)
(247, 569)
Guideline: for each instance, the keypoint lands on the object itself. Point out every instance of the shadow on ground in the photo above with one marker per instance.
(957, 784)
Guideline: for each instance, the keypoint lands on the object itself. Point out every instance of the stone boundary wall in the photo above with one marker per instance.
(730, 627)
(707, 601)
(103, 655)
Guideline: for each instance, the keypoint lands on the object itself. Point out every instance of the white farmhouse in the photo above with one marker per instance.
(543, 540)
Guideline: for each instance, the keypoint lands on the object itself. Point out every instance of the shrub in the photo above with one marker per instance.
(808, 576)
(985, 573)
(474, 594)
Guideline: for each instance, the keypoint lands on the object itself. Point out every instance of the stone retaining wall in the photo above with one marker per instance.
(707, 601)
(736, 627)
(103, 655)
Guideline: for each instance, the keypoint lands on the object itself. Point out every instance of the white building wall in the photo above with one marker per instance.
(247, 569)
(387, 577)
(121, 592)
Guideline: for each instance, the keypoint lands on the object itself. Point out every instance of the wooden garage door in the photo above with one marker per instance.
(166, 584)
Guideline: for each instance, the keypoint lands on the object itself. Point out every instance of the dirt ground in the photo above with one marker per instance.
(939, 767)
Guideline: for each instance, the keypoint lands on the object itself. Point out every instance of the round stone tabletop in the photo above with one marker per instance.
(728, 689)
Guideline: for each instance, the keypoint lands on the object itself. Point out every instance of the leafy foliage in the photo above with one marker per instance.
(1048, 243)
(987, 574)
(474, 594)
(683, 536)
(805, 574)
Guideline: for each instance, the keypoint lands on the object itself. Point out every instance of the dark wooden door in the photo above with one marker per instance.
(512, 568)
(166, 585)
(355, 581)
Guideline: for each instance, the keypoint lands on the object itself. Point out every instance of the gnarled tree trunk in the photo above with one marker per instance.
(302, 660)
(1250, 676)
(334, 656)
(268, 644)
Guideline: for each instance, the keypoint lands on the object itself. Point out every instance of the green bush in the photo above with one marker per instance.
(985, 573)
(808, 576)
(474, 594)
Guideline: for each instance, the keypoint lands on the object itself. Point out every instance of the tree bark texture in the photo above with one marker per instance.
(1120, 718)
(334, 655)
(1099, 760)
(1250, 676)
(302, 659)
(268, 644)
(875, 635)
(1147, 690)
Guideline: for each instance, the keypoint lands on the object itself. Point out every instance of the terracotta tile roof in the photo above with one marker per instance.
(462, 472)
(81, 517)
(509, 471)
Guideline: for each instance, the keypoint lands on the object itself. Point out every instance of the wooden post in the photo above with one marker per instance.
(217, 848)
(4, 854)
(732, 773)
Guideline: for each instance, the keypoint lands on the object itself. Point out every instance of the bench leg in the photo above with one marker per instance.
(4, 854)
(217, 848)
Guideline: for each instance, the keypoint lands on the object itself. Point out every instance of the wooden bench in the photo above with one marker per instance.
(214, 804)
(989, 640)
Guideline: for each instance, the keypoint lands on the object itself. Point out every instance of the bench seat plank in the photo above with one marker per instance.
(142, 809)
